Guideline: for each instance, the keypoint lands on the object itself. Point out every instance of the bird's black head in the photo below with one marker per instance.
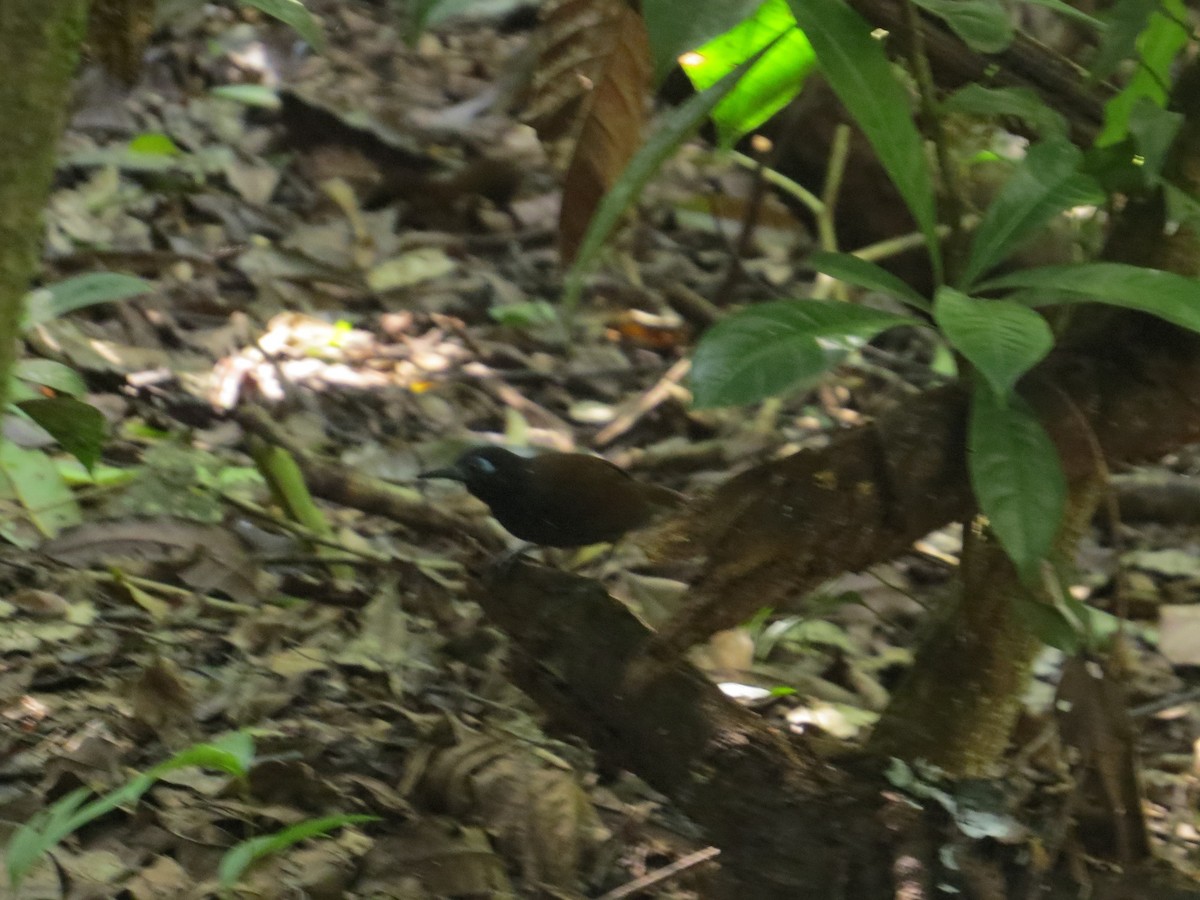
(489, 473)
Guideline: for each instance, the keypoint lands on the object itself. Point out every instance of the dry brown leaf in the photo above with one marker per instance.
(162, 879)
(1093, 718)
(590, 90)
(40, 604)
(537, 812)
(160, 697)
(204, 557)
(444, 858)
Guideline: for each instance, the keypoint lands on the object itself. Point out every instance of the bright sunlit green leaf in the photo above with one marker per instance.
(767, 87)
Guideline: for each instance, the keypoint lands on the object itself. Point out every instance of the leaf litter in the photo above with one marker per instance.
(373, 261)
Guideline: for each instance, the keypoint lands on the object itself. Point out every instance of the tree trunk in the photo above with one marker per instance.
(39, 43)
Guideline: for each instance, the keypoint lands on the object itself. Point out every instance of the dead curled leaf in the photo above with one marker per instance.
(590, 91)
(537, 812)
(40, 604)
(204, 557)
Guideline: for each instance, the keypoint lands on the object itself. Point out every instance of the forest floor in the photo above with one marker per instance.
(362, 244)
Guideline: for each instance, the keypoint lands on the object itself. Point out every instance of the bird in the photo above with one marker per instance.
(558, 499)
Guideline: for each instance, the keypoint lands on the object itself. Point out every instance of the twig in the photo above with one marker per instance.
(660, 875)
(785, 184)
(646, 402)
(762, 147)
(826, 226)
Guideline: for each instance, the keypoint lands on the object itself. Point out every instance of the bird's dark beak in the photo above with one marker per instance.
(451, 472)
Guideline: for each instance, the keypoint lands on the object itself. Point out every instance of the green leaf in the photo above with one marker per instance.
(58, 299)
(1049, 623)
(676, 26)
(1153, 129)
(1067, 624)
(860, 74)
(1119, 42)
(853, 270)
(773, 347)
(1182, 207)
(1002, 340)
(1163, 294)
(529, 314)
(293, 14)
(51, 374)
(1160, 42)
(41, 490)
(1043, 185)
(241, 856)
(982, 24)
(674, 128)
(154, 143)
(232, 753)
(769, 85)
(1017, 477)
(1017, 103)
(78, 427)
(33, 839)
(260, 96)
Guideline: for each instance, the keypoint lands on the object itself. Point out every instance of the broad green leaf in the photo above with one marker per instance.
(1160, 42)
(63, 297)
(1153, 129)
(674, 128)
(293, 14)
(1018, 103)
(51, 374)
(677, 26)
(41, 490)
(767, 87)
(773, 347)
(241, 856)
(1002, 340)
(1163, 294)
(860, 74)
(78, 427)
(19, 391)
(1119, 41)
(982, 24)
(1043, 185)
(851, 269)
(1017, 477)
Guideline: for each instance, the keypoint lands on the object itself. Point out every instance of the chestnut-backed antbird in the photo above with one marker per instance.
(558, 499)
